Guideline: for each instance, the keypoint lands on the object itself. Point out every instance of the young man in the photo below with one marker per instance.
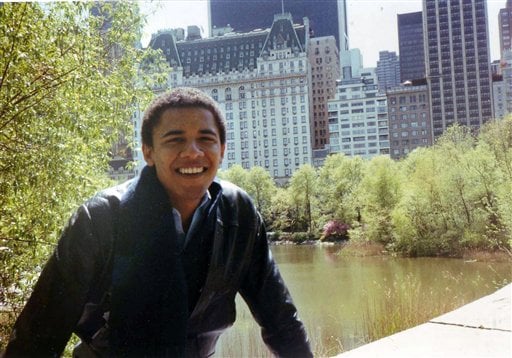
(152, 267)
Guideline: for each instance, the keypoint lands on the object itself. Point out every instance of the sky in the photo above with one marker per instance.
(372, 24)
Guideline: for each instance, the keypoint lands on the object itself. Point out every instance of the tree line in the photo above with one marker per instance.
(439, 200)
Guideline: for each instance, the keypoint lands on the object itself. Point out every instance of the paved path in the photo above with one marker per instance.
(481, 328)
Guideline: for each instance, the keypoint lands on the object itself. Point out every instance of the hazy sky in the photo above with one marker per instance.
(372, 23)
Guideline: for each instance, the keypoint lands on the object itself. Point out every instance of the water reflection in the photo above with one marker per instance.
(335, 294)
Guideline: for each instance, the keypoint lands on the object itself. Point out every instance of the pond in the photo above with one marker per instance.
(344, 300)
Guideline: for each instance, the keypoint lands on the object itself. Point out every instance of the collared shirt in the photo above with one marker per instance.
(184, 237)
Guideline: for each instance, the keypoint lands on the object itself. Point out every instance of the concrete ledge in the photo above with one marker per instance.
(482, 328)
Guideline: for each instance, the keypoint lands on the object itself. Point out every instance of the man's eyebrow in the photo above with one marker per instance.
(207, 131)
(172, 132)
(180, 132)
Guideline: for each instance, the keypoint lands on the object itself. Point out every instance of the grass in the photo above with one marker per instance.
(401, 306)
(487, 255)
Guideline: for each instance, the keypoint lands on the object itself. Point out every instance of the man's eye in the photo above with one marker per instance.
(175, 140)
(207, 139)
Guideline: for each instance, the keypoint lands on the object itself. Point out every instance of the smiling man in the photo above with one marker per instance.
(152, 267)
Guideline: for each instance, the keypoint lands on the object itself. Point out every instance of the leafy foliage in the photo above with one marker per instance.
(68, 88)
(339, 179)
(303, 191)
(451, 199)
(379, 192)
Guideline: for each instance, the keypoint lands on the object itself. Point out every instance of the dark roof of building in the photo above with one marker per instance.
(230, 52)
(247, 15)
(282, 35)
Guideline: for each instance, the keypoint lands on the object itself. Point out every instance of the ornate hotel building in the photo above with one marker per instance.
(262, 82)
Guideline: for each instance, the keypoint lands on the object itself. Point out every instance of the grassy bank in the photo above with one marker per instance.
(401, 307)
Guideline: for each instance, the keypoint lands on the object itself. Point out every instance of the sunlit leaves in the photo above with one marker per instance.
(69, 83)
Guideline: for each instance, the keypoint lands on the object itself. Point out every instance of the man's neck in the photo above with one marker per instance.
(187, 207)
(186, 210)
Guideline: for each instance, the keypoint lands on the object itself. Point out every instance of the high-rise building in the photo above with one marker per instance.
(410, 46)
(409, 118)
(505, 25)
(262, 82)
(457, 63)
(326, 18)
(498, 96)
(325, 71)
(388, 70)
(502, 86)
(358, 118)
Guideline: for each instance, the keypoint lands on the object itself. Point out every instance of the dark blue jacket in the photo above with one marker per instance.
(100, 265)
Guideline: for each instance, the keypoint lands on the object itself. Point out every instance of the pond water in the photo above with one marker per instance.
(340, 297)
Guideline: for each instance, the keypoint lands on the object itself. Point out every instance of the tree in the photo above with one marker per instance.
(380, 191)
(262, 188)
(283, 216)
(338, 181)
(68, 87)
(303, 189)
(496, 139)
(421, 218)
(452, 197)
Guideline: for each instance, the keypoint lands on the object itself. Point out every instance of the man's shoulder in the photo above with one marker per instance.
(232, 191)
(237, 202)
(109, 197)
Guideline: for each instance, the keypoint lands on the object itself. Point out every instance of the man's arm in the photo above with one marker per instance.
(56, 304)
(271, 304)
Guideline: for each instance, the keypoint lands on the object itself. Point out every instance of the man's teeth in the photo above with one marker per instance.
(191, 170)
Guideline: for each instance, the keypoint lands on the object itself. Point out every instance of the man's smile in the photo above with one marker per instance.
(193, 170)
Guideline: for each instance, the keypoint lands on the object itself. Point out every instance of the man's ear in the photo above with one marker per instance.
(147, 151)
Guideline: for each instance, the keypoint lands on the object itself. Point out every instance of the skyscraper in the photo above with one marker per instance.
(325, 70)
(409, 118)
(505, 25)
(326, 18)
(457, 63)
(410, 46)
(388, 70)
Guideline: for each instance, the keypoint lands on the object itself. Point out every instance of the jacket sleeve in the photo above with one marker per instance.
(57, 301)
(271, 304)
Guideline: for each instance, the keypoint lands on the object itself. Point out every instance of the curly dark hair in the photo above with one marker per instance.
(181, 97)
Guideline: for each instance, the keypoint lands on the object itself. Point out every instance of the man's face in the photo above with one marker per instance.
(186, 152)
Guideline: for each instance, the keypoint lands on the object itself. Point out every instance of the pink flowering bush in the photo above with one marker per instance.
(335, 230)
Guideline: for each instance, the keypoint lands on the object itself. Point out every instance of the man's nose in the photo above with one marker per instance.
(192, 149)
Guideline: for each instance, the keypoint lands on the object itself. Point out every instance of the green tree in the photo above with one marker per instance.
(262, 188)
(338, 180)
(452, 197)
(439, 211)
(283, 216)
(421, 217)
(380, 191)
(496, 139)
(67, 89)
(303, 189)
